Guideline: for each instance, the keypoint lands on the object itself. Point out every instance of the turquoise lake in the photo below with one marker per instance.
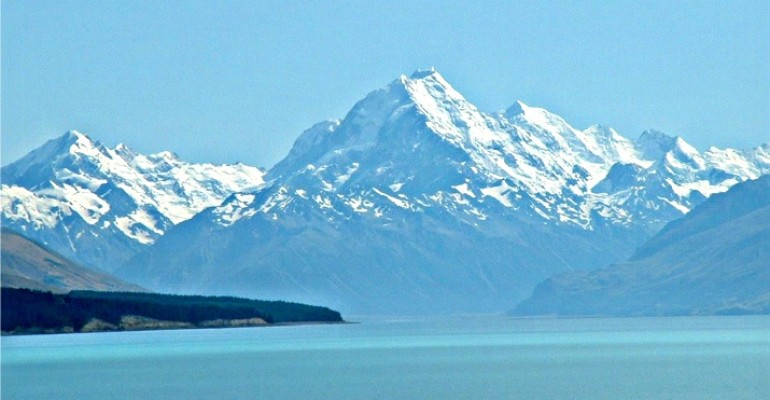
(477, 357)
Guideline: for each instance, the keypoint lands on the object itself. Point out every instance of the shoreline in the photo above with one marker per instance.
(69, 330)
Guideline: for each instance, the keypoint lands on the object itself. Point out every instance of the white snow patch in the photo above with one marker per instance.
(681, 208)
(237, 208)
(395, 200)
(134, 230)
(348, 173)
(499, 193)
(396, 186)
(463, 188)
(322, 202)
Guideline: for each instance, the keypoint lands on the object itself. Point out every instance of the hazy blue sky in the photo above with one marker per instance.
(228, 81)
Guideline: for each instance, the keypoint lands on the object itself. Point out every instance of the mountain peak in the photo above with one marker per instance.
(517, 108)
(532, 114)
(72, 142)
(427, 78)
(653, 135)
(73, 137)
(428, 88)
(538, 117)
(72, 191)
(424, 73)
(122, 150)
(166, 156)
(682, 145)
(654, 144)
(663, 142)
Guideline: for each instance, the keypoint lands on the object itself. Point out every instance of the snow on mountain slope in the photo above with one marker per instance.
(78, 196)
(524, 158)
(711, 261)
(679, 177)
(418, 201)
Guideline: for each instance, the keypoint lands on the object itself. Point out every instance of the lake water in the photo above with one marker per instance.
(487, 357)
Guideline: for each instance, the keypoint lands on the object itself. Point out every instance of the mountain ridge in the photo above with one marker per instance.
(421, 201)
(712, 261)
(100, 205)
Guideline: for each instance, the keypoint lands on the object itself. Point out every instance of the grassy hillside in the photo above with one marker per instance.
(28, 264)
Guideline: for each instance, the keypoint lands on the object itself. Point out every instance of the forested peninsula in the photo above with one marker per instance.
(26, 311)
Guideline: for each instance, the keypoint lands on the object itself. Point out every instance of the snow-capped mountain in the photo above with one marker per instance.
(100, 205)
(525, 158)
(711, 261)
(417, 201)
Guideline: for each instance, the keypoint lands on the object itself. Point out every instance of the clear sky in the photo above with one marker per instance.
(227, 81)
